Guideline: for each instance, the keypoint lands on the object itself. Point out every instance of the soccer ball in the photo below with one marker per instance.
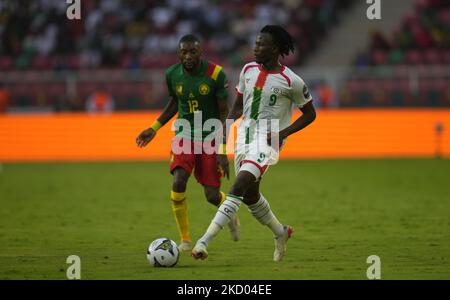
(163, 252)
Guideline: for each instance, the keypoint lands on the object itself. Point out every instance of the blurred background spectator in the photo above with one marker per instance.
(50, 63)
(422, 37)
(4, 98)
(411, 64)
(100, 101)
(144, 34)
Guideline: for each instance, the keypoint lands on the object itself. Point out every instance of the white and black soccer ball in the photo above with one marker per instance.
(163, 252)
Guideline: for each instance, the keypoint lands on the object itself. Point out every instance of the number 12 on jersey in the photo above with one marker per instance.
(193, 105)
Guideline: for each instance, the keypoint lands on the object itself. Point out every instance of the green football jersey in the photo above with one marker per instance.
(198, 93)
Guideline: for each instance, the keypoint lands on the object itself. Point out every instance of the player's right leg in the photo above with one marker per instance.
(207, 173)
(180, 207)
(226, 212)
(230, 203)
(217, 197)
(181, 167)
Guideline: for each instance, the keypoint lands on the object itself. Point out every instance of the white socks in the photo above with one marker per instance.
(227, 210)
(262, 212)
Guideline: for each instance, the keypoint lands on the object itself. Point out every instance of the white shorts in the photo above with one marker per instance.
(254, 157)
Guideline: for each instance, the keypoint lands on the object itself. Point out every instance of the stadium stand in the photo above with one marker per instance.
(50, 63)
(421, 41)
(144, 34)
(137, 35)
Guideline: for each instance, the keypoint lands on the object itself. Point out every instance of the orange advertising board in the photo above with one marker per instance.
(335, 134)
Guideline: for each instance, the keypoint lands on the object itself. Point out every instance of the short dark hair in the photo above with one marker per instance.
(189, 38)
(281, 38)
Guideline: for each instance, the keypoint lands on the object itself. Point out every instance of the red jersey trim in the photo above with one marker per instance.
(261, 169)
(248, 67)
(210, 69)
(287, 78)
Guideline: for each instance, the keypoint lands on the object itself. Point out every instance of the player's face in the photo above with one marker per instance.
(265, 49)
(189, 54)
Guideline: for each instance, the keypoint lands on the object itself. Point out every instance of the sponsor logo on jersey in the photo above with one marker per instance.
(277, 90)
(203, 89)
(180, 89)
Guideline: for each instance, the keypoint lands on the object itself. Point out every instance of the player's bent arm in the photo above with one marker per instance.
(308, 116)
(169, 111)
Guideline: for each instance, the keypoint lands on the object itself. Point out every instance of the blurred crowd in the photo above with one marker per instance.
(144, 33)
(117, 36)
(423, 37)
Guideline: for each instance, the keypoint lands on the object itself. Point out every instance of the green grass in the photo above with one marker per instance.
(342, 211)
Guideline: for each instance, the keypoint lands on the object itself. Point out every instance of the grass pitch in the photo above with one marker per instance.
(342, 212)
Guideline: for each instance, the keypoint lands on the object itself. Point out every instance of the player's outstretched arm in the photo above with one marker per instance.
(148, 134)
(308, 116)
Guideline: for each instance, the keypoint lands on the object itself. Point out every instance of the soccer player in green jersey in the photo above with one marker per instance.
(196, 87)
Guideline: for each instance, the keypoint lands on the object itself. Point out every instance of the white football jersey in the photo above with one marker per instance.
(270, 95)
(267, 96)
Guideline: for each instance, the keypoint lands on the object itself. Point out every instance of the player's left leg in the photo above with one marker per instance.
(260, 209)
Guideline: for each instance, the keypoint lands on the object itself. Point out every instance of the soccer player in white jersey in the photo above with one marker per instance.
(267, 91)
